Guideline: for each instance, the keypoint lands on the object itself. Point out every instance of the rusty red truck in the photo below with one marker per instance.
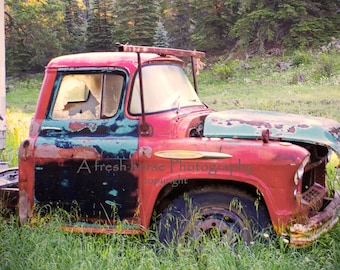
(121, 141)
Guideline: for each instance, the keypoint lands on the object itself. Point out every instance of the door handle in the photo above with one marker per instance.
(51, 128)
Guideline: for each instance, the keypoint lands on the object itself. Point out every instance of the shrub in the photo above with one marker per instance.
(325, 67)
(225, 69)
(301, 58)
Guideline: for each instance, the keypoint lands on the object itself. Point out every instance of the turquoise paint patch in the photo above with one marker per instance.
(249, 124)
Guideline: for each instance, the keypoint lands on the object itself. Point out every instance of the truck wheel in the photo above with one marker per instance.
(210, 212)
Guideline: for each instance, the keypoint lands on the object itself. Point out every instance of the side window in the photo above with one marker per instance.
(88, 96)
(112, 90)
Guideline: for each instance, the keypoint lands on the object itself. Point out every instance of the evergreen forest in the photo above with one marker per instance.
(38, 30)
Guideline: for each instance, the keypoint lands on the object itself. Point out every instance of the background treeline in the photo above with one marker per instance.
(37, 30)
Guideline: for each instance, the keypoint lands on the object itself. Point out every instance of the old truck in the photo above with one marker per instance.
(121, 141)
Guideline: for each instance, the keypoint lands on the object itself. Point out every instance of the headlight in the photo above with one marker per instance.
(330, 155)
(300, 171)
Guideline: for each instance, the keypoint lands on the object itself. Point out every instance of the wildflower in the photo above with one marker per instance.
(266, 235)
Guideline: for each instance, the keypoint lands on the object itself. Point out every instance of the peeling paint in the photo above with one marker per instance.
(88, 162)
(286, 127)
(89, 183)
(79, 126)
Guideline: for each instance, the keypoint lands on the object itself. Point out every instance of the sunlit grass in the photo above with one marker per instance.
(17, 130)
(333, 173)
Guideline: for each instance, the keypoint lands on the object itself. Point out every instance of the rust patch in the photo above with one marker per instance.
(53, 152)
(304, 234)
(78, 126)
(25, 150)
(278, 126)
(25, 210)
(335, 131)
(81, 152)
(291, 129)
(234, 121)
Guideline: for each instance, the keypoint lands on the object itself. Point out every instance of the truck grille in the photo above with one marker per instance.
(313, 197)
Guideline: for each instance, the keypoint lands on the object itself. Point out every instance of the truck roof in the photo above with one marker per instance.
(106, 59)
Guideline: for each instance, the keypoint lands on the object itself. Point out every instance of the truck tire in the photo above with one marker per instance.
(227, 213)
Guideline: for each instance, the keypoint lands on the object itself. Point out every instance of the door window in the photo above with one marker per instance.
(88, 96)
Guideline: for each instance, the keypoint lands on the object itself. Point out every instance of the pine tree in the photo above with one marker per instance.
(99, 29)
(213, 20)
(295, 24)
(179, 23)
(161, 38)
(135, 21)
(75, 24)
(315, 24)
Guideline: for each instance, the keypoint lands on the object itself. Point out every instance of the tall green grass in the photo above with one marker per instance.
(46, 247)
(23, 93)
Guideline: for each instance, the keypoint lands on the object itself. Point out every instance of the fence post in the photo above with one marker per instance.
(2, 78)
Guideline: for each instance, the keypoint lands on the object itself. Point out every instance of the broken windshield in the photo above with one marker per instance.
(165, 87)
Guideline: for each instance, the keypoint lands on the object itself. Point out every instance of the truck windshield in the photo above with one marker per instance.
(165, 87)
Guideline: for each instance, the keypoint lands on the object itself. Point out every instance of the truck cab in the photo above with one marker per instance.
(121, 142)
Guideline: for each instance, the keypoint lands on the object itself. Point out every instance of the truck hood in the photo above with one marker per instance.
(250, 124)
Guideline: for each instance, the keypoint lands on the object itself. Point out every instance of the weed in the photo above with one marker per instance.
(333, 176)
(325, 68)
(224, 69)
(301, 58)
(17, 130)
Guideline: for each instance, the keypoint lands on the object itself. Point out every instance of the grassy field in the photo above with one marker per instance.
(310, 86)
(47, 248)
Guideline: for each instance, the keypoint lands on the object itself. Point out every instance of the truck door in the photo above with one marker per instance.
(85, 149)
